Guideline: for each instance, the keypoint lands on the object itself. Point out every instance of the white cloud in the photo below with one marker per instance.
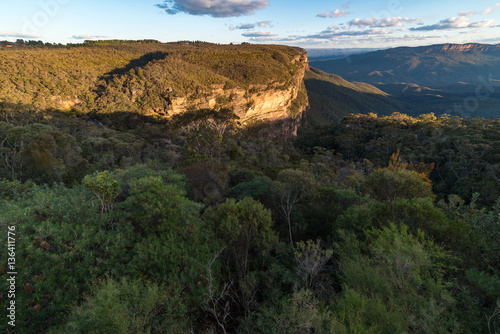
(214, 8)
(88, 37)
(371, 36)
(333, 14)
(453, 23)
(248, 26)
(466, 13)
(487, 10)
(482, 24)
(264, 24)
(259, 34)
(345, 5)
(243, 26)
(17, 35)
(405, 39)
(330, 34)
(382, 23)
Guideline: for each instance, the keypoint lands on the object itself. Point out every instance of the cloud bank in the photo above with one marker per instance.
(382, 23)
(17, 35)
(259, 34)
(453, 23)
(248, 26)
(214, 8)
(88, 37)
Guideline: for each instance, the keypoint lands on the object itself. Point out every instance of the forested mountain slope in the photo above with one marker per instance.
(331, 97)
(257, 82)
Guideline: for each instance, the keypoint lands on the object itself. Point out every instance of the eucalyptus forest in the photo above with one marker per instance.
(133, 222)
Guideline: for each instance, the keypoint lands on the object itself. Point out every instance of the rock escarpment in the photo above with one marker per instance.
(160, 80)
(255, 103)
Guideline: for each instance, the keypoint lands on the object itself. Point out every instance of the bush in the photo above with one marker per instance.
(387, 185)
(129, 307)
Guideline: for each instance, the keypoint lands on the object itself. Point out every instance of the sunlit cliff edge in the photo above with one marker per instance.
(258, 82)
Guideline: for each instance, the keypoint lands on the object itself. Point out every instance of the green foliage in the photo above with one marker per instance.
(246, 230)
(356, 219)
(155, 207)
(105, 188)
(10, 190)
(480, 231)
(394, 284)
(60, 245)
(311, 259)
(357, 313)
(257, 188)
(129, 307)
(169, 223)
(386, 185)
(302, 313)
(464, 153)
(244, 226)
(291, 187)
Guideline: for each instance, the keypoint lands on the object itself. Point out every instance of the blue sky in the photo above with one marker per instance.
(309, 24)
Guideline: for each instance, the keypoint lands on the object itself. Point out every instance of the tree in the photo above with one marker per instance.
(245, 227)
(311, 259)
(388, 185)
(105, 188)
(394, 282)
(176, 245)
(290, 187)
(14, 142)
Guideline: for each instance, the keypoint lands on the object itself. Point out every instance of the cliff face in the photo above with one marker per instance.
(469, 47)
(258, 82)
(257, 103)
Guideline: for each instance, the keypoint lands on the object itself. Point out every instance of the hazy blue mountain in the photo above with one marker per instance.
(461, 80)
(434, 65)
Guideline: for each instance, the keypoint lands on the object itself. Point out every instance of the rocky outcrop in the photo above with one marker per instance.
(59, 102)
(470, 47)
(257, 103)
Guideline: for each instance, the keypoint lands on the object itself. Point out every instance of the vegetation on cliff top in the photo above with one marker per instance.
(137, 76)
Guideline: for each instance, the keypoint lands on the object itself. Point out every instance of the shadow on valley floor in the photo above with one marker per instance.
(329, 102)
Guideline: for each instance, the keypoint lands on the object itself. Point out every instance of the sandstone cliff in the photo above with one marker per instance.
(255, 103)
(258, 82)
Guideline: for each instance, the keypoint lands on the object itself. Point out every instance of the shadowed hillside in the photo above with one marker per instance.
(332, 97)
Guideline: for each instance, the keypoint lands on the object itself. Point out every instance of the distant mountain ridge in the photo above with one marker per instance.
(465, 47)
(433, 66)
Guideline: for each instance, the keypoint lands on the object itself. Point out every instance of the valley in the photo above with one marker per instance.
(460, 80)
(193, 187)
